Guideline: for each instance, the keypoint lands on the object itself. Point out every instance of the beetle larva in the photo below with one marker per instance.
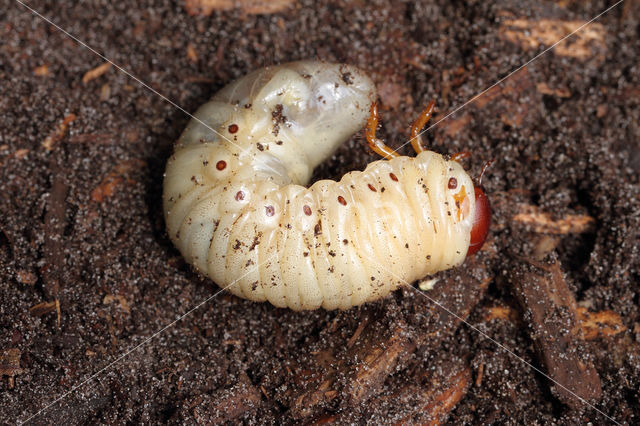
(237, 209)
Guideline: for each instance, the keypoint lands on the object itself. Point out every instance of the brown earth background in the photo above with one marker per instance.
(87, 271)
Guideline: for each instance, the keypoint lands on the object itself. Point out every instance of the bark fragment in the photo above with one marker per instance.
(550, 310)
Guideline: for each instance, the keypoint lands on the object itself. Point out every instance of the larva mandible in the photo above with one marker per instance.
(238, 210)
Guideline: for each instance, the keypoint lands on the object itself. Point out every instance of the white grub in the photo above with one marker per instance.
(239, 211)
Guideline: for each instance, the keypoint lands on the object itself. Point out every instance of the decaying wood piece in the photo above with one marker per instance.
(10, 365)
(96, 72)
(116, 177)
(360, 369)
(251, 7)
(546, 231)
(374, 352)
(451, 301)
(378, 362)
(58, 133)
(532, 35)
(543, 222)
(439, 395)
(551, 312)
(424, 398)
(600, 324)
(595, 325)
(44, 308)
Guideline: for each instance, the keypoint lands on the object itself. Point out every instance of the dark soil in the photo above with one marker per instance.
(81, 221)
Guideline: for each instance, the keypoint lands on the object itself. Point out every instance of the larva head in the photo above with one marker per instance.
(481, 221)
(471, 212)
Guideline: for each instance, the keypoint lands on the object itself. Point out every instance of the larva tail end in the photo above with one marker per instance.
(481, 221)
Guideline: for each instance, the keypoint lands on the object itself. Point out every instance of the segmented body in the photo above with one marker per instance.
(238, 209)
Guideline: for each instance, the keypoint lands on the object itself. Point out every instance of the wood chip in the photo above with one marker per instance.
(594, 325)
(192, 55)
(10, 362)
(356, 334)
(551, 312)
(58, 133)
(600, 324)
(105, 92)
(26, 277)
(543, 222)
(44, 308)
(561, 92)
(421, 397)
(21, 153)
(501, 313)
(116, 177)
(96, 72)
(41, 71)
(533, 35)
(442, 396)
(122, 301)
(379, 361)
(251, 7)
(10, 365)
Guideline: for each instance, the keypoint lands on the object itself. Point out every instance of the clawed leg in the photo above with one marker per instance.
(416, 139)
(484, 169)
(460, 155)
(374, 143)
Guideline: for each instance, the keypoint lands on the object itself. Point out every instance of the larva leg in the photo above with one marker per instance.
(460, 155)
(484, 169)
(416, 139)
(374, 143)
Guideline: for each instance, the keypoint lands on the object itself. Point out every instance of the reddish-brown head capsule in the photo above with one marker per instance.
(481, 221)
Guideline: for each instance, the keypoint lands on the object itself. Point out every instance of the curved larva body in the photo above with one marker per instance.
(240, 214)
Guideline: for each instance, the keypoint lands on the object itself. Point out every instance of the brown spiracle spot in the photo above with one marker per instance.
(221, 165)
(307, 210)
(233, 128)
(453, 183)
(372, 188)
(341, 200)
(239, 196)
(269, 210)
(393, 177)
